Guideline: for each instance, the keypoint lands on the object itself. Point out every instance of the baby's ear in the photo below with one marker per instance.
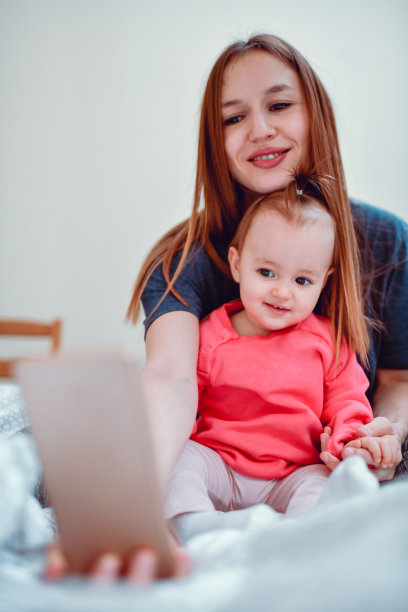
(328, 273)
(233, 259)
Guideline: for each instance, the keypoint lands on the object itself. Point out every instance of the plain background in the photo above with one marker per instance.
(99, 107)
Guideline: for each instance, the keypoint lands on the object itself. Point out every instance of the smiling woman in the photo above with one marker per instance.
(265, 114)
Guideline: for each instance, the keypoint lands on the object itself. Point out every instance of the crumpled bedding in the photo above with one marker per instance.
(348, 553)
(13, 416)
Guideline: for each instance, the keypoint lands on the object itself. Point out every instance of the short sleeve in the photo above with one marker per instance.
(394, 349)
(201, 284)
(383, 241)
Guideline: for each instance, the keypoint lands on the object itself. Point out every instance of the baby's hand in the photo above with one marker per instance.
(330, 460)
(384, 450)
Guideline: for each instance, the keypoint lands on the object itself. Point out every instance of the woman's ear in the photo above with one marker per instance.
(233, 260)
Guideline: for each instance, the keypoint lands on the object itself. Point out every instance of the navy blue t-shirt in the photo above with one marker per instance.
(383, 240)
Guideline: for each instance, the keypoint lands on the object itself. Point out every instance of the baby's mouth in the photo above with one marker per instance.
(277, 307)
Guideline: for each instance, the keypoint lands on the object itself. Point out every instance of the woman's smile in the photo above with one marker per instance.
(267, 158)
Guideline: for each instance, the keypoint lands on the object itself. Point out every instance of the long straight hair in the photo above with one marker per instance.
(224, 201)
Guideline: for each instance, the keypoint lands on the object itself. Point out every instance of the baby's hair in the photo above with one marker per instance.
(301, 202)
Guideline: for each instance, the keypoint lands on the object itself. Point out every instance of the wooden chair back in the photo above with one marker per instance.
(25, 328)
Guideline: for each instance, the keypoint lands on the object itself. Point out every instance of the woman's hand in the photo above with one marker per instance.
(383, 441)
(140, 569)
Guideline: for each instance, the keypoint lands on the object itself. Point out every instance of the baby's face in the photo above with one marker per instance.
(282, 270)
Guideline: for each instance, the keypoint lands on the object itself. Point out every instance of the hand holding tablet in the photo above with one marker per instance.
(88, 419)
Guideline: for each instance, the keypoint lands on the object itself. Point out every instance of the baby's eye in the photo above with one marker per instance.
(233, 120)
(301, 280)
(265, 272)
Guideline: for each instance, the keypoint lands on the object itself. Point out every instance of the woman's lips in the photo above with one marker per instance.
(267, 158)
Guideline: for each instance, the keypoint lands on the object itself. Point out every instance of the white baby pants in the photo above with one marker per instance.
(203, 482)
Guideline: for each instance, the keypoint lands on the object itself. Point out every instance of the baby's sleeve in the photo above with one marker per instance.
(346, 407)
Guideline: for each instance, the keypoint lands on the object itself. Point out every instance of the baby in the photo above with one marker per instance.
(271, 377)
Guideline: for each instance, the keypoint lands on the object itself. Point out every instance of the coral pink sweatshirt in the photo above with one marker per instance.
(264, 400)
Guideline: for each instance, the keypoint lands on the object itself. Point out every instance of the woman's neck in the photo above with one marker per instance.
(245, 197)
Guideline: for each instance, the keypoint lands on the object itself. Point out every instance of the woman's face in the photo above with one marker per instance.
(266, 124)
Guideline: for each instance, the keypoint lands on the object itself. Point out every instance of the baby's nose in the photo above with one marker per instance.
(281, 289)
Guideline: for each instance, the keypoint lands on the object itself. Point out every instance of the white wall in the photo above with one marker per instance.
(99, 103)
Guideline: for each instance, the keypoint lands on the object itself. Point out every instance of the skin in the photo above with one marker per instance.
(169, 374)
(281, 270)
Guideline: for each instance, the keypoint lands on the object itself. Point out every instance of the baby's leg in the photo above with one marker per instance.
(200, 482)
(301, 490)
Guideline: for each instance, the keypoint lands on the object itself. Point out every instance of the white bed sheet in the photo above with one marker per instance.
(349, 553)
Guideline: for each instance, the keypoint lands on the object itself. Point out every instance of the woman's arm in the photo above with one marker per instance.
(391, 399)
(170, 384)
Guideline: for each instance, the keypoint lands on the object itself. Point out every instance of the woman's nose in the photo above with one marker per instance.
(262, 127)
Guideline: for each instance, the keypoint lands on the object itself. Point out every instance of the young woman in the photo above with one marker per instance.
(265, 113)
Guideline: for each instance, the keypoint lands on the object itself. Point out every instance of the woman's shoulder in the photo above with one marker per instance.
(375, 221)
(201, 285)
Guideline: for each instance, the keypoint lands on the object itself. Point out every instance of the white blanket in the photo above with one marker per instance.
(349, 553)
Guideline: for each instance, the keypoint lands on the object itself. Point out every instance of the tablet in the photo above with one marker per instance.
(88, 420)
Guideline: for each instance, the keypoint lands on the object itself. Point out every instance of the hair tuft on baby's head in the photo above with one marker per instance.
(301, 201)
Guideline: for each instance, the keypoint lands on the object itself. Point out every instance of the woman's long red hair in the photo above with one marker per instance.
(219, 201)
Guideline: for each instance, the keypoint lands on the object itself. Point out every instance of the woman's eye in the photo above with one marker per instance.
(278, 106)
(266, 273)
(303, 281)
(233, 120)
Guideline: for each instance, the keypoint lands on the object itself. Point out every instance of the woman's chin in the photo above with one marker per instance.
(268, 184)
